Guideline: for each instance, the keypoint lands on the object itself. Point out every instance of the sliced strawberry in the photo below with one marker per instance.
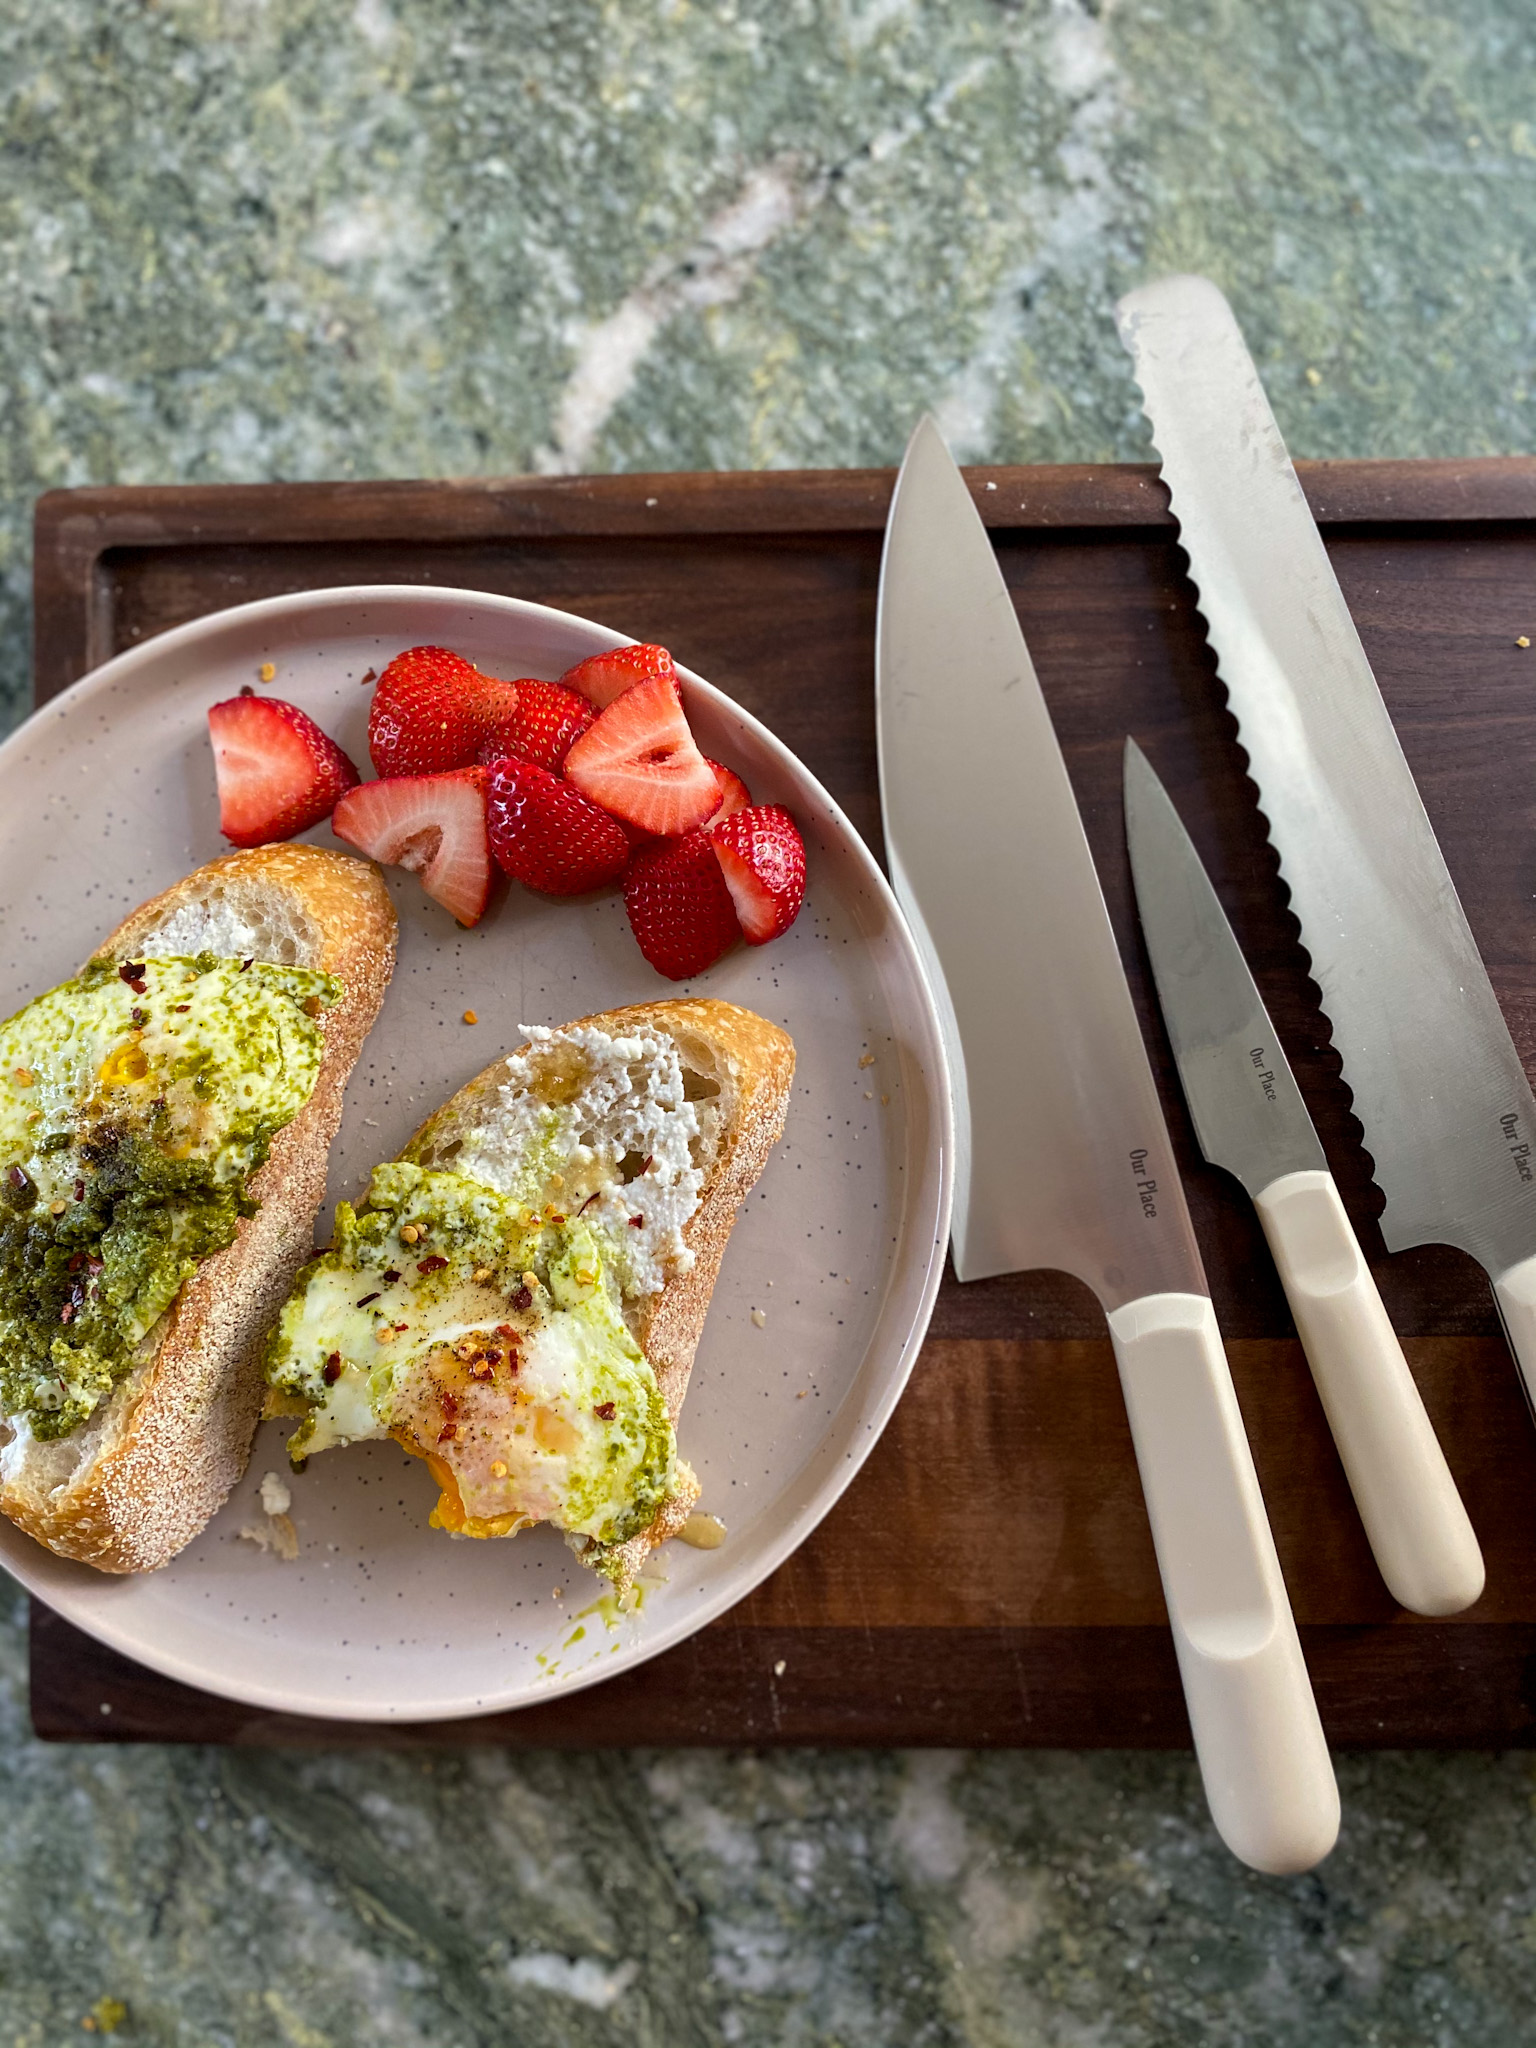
(602, 677)
(432, 824)
(762, 858)
(679, 908)
(734, 794)
(549, 836)
(544, 721)
(638, 760)
(431, 710)
(278, 773)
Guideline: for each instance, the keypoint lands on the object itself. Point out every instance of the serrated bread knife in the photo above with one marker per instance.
(1449, 1117)
(1250, 1118)
(1064, 1156)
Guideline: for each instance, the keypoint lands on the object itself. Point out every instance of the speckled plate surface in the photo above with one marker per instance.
(107, 796)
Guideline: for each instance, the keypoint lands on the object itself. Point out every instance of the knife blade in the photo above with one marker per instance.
(1250, 1118)
(1449, 1116)
(1066, 1160)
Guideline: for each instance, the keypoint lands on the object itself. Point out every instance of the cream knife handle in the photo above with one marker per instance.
(1515, 1292)
(1413, 1516)
(1257, 1736)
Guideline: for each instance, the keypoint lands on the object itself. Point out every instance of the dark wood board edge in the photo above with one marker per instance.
(74, 529)
(1398, 1686)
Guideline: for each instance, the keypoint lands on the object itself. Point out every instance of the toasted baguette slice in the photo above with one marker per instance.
(143, 1475)
(743, 1065)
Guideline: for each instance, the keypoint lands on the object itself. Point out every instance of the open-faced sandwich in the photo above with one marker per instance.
(520, 1298)
(164, 1124)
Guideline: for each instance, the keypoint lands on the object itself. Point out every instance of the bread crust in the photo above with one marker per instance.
(753, 1064)
(176, 1434)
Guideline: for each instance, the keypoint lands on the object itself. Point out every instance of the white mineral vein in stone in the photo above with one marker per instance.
(583, 1978)
(714, 271)
(1072, 230)
(927, 1827)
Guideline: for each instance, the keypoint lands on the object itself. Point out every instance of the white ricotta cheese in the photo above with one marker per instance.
(601, 1127)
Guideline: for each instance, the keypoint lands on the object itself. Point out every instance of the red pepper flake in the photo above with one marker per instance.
(391, 1277)
(449, 1404)
(138, 1016)
(637, 1223)
(606, 1412)
(448, 1432)
(371, 676)
(492, 1357)
(505, 1330)
(332, 1372)
(76, 1263)
(433, 1265)
(244, 964)
(555, 1216)
(650, 1161)
(132, 971)
(79, 1190)
(522, 1298)
(181, 1007)
(366, 1299)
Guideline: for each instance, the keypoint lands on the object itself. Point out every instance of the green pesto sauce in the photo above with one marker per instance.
(133, 1110)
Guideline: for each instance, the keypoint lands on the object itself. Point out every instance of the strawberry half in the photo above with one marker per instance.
(734, 794)
(762, 858)
(602, 677)
(548, 836)
(543, 722)
(638, 760)
(431, 710)
(278, 773)
(679, 908)
(432, 824)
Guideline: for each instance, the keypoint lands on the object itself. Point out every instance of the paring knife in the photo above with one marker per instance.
(1449, 1117)
(1064, 1156)
(1250, 1118)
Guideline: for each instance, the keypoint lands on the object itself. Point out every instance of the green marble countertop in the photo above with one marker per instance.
(301, 240)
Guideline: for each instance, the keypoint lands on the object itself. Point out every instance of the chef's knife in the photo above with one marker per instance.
(1449, 1117)
(1250, 1118)
(1065, 1160)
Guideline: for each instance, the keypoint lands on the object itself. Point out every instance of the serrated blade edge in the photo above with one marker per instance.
(1437, 1083)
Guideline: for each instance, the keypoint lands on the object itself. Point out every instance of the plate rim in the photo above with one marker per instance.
(18, 1551)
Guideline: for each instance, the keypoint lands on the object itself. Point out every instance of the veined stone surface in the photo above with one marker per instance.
(292, 239)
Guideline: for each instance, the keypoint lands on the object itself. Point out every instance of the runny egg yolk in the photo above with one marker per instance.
(128, 1063)
(462, 1393)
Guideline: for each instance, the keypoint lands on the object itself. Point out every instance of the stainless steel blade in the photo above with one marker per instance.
(1064, 1155)
(1248, 1111)
(1449, 1116)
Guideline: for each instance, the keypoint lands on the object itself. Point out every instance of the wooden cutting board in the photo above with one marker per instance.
(989, 1577)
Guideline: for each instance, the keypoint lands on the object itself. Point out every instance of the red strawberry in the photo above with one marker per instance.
(638, 760)
(734, 795)
(544, 721)
(762, 858)
(431, 710)
(546, 834)
(278, 773)
(602, 677)
(679, 908)
(432, 824)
